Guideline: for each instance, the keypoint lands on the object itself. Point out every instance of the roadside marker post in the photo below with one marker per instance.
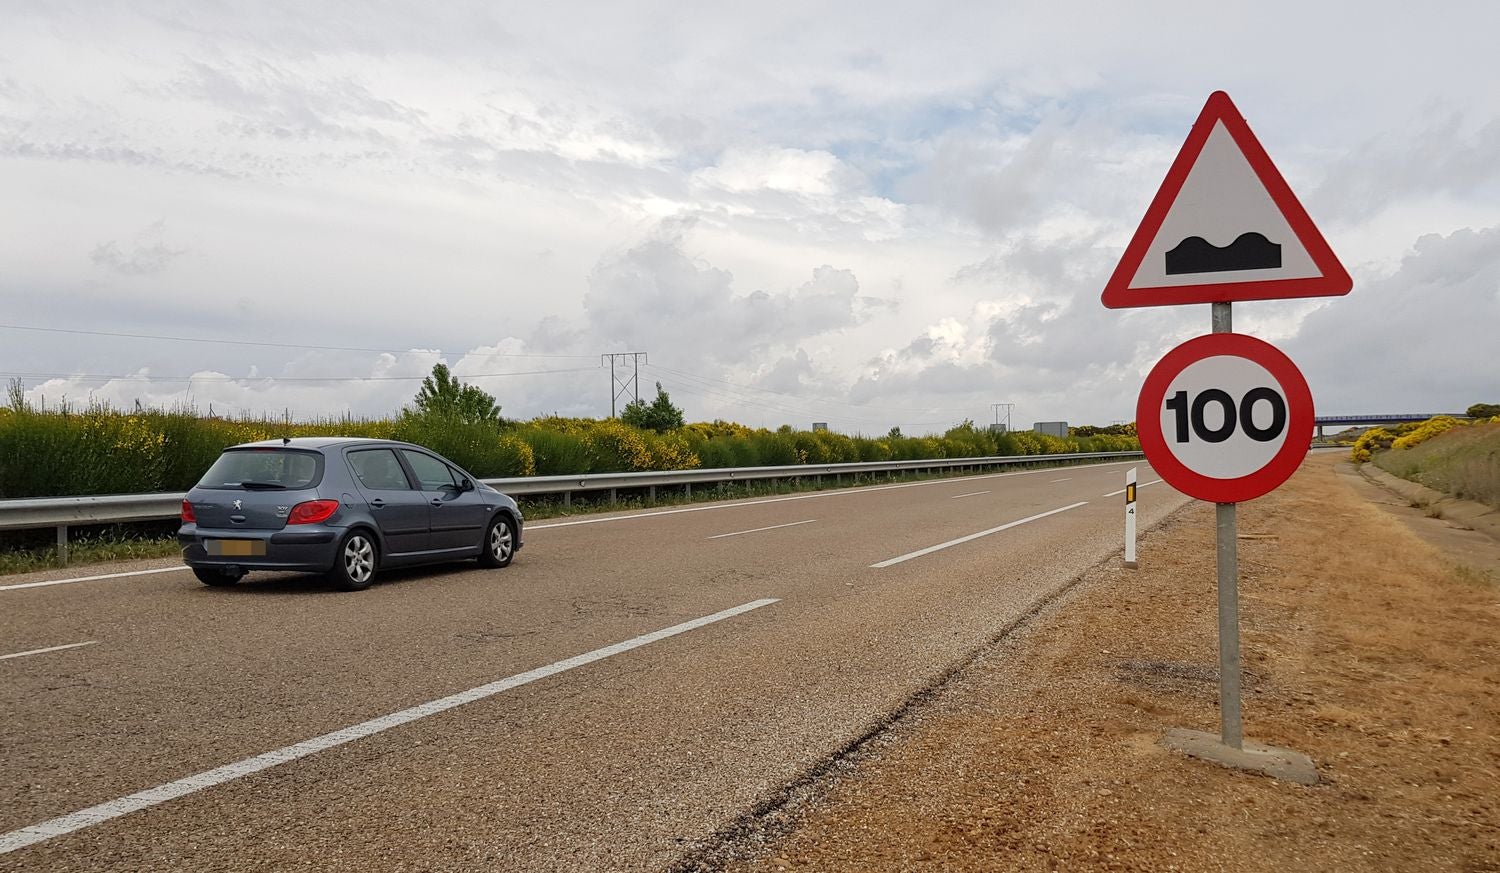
(1130, 562)
(1225, 417)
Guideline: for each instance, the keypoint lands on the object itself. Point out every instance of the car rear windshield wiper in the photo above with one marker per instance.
(262, 486)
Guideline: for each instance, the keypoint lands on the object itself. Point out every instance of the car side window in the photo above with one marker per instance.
(433, 474)
(378, 470)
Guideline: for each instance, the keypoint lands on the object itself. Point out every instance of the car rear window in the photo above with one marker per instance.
(270, 469)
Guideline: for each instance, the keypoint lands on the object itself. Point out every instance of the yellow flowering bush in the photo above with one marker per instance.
(1368, 442)
(1426, 431)
(617, 447)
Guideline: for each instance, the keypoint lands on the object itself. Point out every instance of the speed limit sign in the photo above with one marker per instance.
(1225, 417)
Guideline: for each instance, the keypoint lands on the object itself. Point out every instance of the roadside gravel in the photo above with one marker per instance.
(1365, 647)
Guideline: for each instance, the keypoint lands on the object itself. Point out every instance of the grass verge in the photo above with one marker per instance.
(1464, 462)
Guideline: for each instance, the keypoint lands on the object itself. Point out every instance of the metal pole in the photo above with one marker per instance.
(1231, 730)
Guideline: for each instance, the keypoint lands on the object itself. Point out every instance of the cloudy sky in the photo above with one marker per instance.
(861, 213)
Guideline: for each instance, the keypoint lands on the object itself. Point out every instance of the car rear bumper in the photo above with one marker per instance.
(310, 548)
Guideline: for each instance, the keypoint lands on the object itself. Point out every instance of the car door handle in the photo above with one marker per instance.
(436, 501)
(377, 503)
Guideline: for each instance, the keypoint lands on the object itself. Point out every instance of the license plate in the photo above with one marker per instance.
(235, 548)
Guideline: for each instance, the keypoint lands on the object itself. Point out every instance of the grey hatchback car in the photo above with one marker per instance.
(341, 506)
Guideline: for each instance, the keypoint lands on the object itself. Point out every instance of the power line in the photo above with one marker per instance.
(696, 381)
(229, 342)
(138, 377)
(800, 397)
(716, 394)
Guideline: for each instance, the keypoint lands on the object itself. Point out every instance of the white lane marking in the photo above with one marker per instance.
(48, 649)
(90, 578)
(23, 837)
(759, 529)
(735, 505)
(1055, 481)
(1138, 487)
(843, 492)
(970, 494)
(974, 536)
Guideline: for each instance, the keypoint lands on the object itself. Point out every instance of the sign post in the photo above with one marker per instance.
(1231, 729)
(1130, 562)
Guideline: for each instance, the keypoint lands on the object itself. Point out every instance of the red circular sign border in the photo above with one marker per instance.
(1248, 487)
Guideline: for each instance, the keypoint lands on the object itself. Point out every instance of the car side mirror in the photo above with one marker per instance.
(465, 486)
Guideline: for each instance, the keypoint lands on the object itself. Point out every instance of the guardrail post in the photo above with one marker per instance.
(653, 494)
(687, 489)
(62, 544)
(613, 494)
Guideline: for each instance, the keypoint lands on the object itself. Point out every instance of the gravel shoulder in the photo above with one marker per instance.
(1371, 642)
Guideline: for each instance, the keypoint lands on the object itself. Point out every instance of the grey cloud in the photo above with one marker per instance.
(788, 374)
(147, 255)
(271, 101)
(1421, 339)
(123, 155)
(1445, 156)
(654, 296)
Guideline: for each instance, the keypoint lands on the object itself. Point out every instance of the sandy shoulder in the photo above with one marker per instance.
(1365, 647)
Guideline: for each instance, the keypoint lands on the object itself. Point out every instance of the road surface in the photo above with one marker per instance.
(632, 685)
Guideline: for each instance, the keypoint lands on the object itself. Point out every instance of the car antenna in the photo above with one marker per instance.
(286, 441)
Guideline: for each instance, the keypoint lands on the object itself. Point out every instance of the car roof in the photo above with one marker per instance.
(320, 443)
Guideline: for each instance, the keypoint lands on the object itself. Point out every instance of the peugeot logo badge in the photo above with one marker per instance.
(239, 504)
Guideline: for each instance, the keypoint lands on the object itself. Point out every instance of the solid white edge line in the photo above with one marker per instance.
(970, 494)
(759, 529)
(48, 649)
(974, 536)
(91, 578)
(32, 834)
(840, 492)
(1138, 487)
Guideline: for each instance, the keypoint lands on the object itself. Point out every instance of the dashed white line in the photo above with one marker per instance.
(759, 529)
(46, 650)
(970, 494)
(843, 492)
(1138, 487)
(90, 578)
(1055, 481)
(974, 536)
(32, 834)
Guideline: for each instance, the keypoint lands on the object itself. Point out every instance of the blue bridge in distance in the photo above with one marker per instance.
(1378, 418)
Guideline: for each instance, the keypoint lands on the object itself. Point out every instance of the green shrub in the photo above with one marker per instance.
(557, 453)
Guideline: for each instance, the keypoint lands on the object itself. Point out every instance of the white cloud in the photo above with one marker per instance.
(806, 209)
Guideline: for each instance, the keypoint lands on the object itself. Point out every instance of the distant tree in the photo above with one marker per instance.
(658, 415)
(1483, 410)
(894, 434)
(443, 394)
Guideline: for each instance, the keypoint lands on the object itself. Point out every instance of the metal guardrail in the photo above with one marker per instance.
(65, 512)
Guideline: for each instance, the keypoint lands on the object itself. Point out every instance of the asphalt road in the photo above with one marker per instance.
(177, 737)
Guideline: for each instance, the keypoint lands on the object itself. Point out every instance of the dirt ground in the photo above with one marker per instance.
(1371, 637)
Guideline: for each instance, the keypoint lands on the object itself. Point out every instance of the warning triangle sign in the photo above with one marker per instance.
(1224, 226)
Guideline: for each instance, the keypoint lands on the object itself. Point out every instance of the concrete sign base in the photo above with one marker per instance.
(1278, 763)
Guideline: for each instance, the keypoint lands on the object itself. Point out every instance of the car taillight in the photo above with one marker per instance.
(313, 511)
(187, 513)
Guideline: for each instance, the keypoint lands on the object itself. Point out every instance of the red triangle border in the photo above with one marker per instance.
(1333, 282)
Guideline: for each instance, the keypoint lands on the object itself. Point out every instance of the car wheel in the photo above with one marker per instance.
(354, 568)
(499, 545)
(216, 578)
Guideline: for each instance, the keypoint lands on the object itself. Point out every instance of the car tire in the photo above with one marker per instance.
(499, 546)
(216, 578)
(355, 564)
